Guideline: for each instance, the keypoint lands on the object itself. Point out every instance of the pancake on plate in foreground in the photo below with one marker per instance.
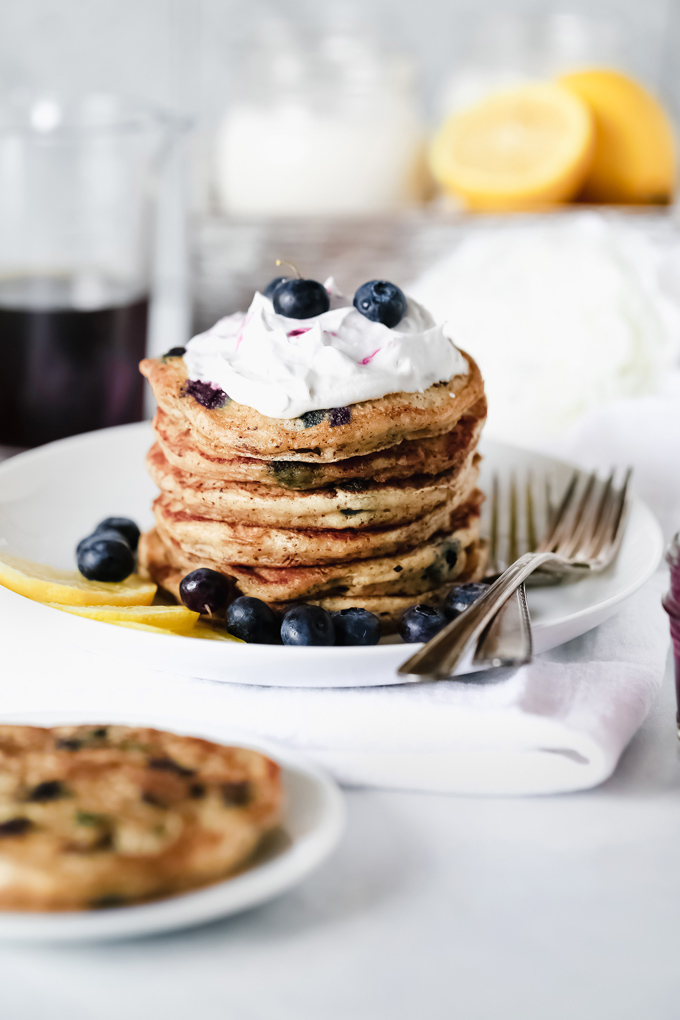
(102, 816)
(319, 449)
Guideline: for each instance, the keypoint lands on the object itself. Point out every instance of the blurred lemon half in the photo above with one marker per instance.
(520, 149)
(634, 158)
(68, 587)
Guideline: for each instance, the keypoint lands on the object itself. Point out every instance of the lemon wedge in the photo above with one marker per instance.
(634, 158)
(520, 149)
(204, 630)
(69, 588)
(201, 630)
(178, 619)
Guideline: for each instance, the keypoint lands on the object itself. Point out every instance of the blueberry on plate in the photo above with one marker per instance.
(307, 625)
(253, 621)
(105, 556)
(356, 626)
(381, 301)
(107, 533)
(127, 528)
(205, 591)
(420, 623)
(272, 285)
(300, 299)
(458, 599)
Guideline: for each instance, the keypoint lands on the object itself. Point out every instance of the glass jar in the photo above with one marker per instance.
(77, 191)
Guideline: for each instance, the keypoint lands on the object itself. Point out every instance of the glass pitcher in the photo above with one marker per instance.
(77, 196)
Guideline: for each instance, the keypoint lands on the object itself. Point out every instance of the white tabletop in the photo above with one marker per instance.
(433, 906)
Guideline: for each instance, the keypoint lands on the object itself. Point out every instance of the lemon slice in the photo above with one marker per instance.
(178, 619)
(204, 630)
(200, 630)
(520, 149)
(634, 160)
(69, 588)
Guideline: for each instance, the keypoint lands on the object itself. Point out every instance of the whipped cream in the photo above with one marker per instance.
(286, 367)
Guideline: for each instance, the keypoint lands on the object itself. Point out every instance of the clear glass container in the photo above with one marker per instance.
(321, 127)
(77, 193)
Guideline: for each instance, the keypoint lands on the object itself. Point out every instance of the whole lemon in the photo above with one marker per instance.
(634, 157)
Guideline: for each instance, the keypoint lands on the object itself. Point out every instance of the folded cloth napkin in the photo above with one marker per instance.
(556, 725)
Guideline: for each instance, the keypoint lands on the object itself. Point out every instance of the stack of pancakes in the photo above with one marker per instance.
(373, 505)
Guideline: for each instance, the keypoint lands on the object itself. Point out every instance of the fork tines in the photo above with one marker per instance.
(584, 523)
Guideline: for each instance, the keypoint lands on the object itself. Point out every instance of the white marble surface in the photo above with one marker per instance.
(433, 906)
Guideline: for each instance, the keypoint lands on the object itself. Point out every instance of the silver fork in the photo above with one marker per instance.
(507, 641)
(583, 536)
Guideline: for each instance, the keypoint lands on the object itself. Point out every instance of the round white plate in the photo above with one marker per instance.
(314, 818)
(53, 496)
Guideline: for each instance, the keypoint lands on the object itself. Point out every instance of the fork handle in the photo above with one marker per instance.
(507, 641)
(438, 659)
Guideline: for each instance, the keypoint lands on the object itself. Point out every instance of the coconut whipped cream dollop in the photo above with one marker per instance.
(286, 367)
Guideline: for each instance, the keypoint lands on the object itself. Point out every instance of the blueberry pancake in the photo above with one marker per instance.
(349, 504)
(100, 816)
(253, 545)
(387, 587)
(315, 436)
(438, 561)
(190, 451)
(318, 449)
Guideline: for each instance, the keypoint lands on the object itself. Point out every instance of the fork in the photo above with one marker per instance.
(583, 537)
(507, 641)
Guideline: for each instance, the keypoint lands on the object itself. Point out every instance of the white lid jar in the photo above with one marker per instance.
(328, 127)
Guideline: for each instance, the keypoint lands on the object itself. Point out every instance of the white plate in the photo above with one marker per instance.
(53, 496)
(314, 818)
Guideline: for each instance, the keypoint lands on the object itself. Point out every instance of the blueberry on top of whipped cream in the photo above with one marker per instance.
(285, 367)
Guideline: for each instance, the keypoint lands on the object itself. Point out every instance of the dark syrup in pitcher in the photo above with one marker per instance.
(69, 351)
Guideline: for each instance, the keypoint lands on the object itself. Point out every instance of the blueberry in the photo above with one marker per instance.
(458, 599)
(205, 591)
(175, 352)
(420, 623)
(307, 625)
(105, 556)
(272, 285)
(339, 416)
(381, 301)
(127, 528)
(104, 533)
(205, 394)
(356, 626)
(253, 621)
(300, 299)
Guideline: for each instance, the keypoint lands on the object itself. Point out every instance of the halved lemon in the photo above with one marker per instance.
(69, 588)
(178, 619)
(634, 159)
(524, 148)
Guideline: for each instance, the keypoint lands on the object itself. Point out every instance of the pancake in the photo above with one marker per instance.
(320, 436)
(98, 816)
(190, 451)
(389, 608)
(344, 506)
(432, 563)
(451, 561)
(227, 542)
